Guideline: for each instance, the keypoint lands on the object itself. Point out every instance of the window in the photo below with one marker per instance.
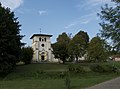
(45, 39)
(40, 39)
(42, 45)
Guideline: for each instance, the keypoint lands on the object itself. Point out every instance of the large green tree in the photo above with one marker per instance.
(78, 45)
(10, 45)
(60, 48)
(97, 50)
(110, 24)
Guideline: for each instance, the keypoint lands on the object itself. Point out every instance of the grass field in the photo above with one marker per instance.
(42, 76)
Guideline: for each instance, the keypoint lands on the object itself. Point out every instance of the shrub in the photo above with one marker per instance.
(41, 74)
(26, 55)
(4, 70)
(5, 67)
(96, 68)
(75, 68)
(103, 68)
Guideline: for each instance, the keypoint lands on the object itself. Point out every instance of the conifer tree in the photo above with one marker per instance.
(110, 24)
(10, 44)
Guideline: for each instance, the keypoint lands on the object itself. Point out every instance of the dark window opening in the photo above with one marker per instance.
(45, 39)
(42, 58)
(39, 39)
(42, 45)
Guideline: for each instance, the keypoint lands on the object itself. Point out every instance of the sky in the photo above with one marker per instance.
(56, 16)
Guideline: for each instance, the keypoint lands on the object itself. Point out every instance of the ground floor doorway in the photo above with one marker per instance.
(42, 57)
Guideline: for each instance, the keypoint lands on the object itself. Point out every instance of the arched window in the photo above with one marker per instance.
(40, 39)
(45, 39)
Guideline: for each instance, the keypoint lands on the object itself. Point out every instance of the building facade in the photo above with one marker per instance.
(41, 45)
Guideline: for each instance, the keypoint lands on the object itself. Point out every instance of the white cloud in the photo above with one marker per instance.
(83, 20)
(89, 15)
(70, 25)
(41, 12)
(88, 4)
(77, 22)
(12, 4)
(100, 2)
(92, 7)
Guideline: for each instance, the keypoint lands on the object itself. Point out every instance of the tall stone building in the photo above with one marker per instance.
(41, 45)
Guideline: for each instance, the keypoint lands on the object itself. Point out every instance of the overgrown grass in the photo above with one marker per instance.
(51, 76)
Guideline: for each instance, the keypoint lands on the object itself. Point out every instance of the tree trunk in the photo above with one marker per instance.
(76, 59)
(63, 61)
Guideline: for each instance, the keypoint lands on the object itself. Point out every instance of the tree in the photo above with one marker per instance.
(26, 55)
(78, 45)
(110, 24)
(10, 45)
(118, 1)
(60, 48)
(96, 50)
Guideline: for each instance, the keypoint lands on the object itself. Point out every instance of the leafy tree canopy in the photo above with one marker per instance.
(60, 48)
(96, 50)
(78, 45)
(118, 1)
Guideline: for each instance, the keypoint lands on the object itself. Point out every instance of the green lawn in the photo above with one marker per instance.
(27, 77)
(33, 71)
(76, 83)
